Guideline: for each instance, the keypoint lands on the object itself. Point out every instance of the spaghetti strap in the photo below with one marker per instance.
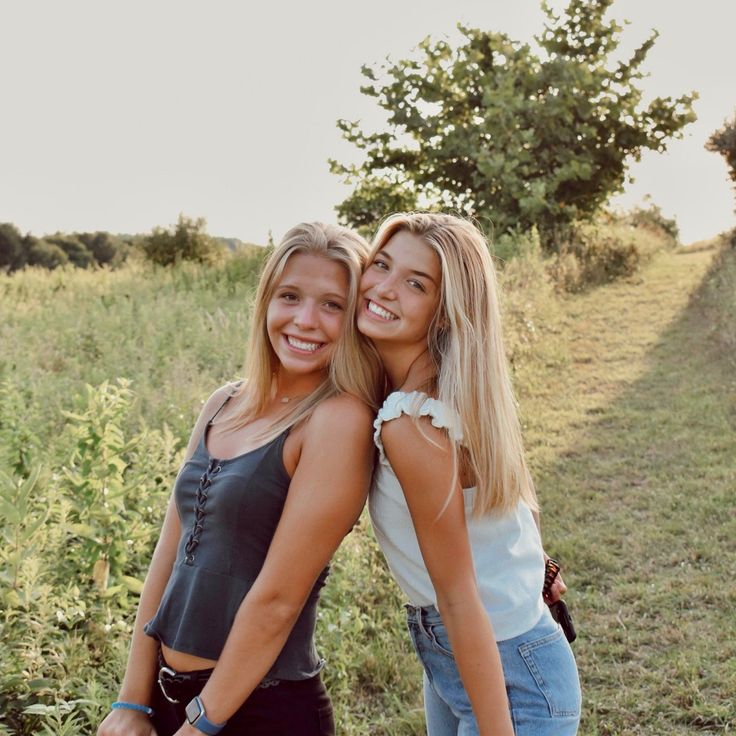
(233, 389)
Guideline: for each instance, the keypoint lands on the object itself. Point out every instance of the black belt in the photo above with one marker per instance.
(181, 687)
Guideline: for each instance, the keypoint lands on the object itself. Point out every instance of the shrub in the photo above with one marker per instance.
(723, 141)
(77, 543)
(185, 241)
(594, 255)
(651, 217)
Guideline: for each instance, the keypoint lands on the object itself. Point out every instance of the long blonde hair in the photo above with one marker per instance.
(354, 367)
(466, 344)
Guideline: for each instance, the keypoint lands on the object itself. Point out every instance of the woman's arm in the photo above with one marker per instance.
(425, 473)
(140, 671)
(326, 495)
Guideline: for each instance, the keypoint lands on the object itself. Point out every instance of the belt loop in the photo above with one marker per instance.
(421, 621)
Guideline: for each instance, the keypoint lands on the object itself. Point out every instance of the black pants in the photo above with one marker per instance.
(298, 708)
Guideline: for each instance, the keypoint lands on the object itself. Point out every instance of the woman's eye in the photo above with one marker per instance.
(287, 297)
(380, 264)
(416, 285)
(334, 306)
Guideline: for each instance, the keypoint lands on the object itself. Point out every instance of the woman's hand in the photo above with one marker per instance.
(125, 722)
(557, 589)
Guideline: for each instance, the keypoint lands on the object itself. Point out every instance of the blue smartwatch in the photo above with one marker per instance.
(196, 717)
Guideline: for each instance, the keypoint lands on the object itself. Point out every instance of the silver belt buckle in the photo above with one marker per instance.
(171, 673)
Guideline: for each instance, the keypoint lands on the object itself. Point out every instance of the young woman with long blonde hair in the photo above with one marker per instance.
(276, 473)
(452, 501)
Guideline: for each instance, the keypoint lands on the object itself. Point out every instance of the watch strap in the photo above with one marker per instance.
(201, 722)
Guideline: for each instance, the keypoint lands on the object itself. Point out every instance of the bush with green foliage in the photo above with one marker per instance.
(651, 218)
(723, 141)
(78, 539)
(12, 247)
(510, 136)
(185, 241)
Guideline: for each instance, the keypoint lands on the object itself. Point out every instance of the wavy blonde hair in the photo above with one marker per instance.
(466, 344)
(354, 367)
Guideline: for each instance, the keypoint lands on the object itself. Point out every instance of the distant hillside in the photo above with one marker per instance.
(234, 244)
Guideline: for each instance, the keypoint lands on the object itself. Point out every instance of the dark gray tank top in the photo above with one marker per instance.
(229, 510)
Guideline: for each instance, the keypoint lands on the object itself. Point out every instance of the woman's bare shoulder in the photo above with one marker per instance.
(342, 408)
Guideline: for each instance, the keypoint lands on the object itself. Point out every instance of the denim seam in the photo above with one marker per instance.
(413, 632)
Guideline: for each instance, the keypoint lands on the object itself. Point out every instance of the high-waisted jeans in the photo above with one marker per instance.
(276, 708)
(539, 669)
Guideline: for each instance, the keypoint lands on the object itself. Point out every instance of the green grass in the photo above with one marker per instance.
(628, 399)
(631, 427)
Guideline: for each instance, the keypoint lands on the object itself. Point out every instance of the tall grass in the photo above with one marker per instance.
(102, 374)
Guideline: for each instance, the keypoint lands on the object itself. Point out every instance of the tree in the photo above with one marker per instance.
(45, 254)
(185, 241)
(76, 251)
(12, 251)
(503, 134)
(723, 141)
(101, 245)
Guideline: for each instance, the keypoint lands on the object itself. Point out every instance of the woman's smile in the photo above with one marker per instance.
(401, 291)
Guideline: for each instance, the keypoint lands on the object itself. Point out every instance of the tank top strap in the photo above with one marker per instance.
(231, 393)
(416, 404)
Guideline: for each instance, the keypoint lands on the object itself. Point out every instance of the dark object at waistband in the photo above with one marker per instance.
(181, 687)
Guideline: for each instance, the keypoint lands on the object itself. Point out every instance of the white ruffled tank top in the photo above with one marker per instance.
(507, 550)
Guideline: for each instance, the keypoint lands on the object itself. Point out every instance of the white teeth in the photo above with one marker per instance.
(301, 345)
(380, 311)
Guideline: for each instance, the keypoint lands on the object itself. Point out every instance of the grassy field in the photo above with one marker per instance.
(628, 397)
(631, 426)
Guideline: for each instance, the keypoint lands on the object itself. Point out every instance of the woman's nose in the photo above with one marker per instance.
(306, 316)
(386, 288)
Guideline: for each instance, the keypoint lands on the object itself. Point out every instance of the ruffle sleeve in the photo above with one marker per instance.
(416, 404)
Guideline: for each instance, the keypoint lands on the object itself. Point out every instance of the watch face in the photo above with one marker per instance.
(193, 710)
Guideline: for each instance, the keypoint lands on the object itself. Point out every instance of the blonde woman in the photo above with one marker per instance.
(275, 474)
(452, 501)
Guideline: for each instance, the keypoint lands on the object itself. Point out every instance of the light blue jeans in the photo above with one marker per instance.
(539, 668)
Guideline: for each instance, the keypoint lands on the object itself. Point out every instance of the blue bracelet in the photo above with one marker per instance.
(132, 706)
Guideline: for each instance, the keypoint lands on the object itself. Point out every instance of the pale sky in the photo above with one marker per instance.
(119, 116)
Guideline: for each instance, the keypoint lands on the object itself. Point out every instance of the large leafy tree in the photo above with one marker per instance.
(501, 132)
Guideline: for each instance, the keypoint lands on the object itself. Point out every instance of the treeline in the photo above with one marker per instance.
(186, 240)
(51, 251)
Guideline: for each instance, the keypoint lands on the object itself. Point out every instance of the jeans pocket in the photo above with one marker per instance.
(437, 635)
(552, 665)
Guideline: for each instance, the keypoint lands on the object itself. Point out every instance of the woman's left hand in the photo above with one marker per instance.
(557, 590)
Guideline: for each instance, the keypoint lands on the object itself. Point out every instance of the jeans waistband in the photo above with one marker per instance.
(422, 615)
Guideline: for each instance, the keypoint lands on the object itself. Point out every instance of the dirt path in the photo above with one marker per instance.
(631, 424)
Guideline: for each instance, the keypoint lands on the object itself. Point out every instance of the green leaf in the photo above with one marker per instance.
(133, 584)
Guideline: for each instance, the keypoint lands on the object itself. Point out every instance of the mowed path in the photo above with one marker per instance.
(630, 420)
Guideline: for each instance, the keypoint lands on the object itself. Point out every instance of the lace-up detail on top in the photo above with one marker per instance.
(205, 481)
